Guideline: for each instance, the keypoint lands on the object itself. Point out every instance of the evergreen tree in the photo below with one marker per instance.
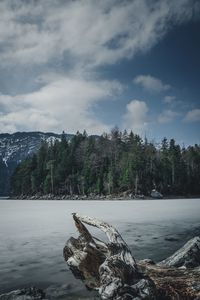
(109, 164)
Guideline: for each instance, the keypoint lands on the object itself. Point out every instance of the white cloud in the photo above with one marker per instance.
(135, 117)
(193, 115)
(91, 32)
(62, 104)
(151, 84)
(169, 99)
(81, 35)
(167, 116)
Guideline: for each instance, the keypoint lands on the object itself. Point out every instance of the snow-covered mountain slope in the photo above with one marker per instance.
(15, 147)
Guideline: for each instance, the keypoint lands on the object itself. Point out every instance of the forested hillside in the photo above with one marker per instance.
(16, 147)
(109, 164)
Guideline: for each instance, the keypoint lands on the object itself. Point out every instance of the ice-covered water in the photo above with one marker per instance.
(33, 233)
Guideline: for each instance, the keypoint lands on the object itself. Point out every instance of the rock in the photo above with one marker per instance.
(24, 294)
(188, 255)
(52, 292)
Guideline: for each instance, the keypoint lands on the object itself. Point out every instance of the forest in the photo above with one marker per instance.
(110, 164)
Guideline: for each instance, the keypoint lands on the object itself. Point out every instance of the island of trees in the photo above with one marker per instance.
(112, 164)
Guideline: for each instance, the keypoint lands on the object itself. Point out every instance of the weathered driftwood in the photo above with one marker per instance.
(173, 283)
(111, 269)
(178, 276)
(188, 256)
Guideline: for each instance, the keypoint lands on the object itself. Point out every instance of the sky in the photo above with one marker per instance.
(95, 64)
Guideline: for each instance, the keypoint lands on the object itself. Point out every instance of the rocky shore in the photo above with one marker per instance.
(92, 196)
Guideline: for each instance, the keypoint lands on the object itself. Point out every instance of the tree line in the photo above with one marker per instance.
(109, 164)
(4, 178)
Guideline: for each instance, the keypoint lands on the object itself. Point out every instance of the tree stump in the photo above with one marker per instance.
(111, 269)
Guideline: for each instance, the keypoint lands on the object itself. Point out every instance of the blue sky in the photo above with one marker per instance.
(74, 65)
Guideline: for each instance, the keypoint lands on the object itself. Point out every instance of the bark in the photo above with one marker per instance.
(111, 269)
(188, 255)
(174, 283)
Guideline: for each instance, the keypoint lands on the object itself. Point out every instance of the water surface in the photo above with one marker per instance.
(33, 233)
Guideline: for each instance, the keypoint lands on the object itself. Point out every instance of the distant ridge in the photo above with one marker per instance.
(15, 147)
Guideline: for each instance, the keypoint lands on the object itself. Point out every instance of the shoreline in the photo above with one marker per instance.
(95, 197)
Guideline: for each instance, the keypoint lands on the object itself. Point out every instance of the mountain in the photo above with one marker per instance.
(14, 148)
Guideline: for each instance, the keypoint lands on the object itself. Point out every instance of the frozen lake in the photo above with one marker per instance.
(33, 234)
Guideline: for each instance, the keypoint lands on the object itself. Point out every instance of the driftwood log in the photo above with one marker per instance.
(111, 269)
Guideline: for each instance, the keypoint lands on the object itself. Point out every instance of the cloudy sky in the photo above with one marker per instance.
(94, 64)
